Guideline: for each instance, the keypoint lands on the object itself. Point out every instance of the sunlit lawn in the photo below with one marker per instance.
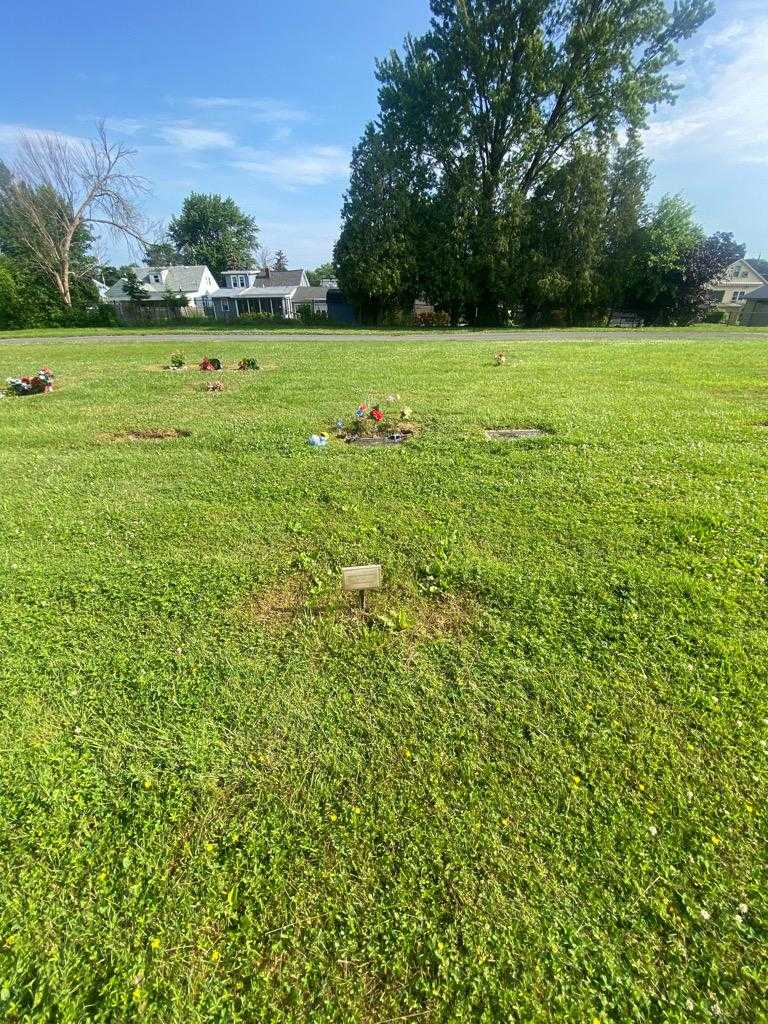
(532, 787)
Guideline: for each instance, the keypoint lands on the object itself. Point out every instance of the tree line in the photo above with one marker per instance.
(504, 176)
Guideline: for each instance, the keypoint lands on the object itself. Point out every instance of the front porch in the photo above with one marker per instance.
(228, 304)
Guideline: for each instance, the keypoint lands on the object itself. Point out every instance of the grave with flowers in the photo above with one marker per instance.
(376, 424)
(40, 383)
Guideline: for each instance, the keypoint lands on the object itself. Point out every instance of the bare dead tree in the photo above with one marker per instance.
(59, 185)
(265, 257)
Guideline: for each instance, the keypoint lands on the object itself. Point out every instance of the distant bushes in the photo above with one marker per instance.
(309, 317)
(716, 316)
(431, 318)
(257, 319)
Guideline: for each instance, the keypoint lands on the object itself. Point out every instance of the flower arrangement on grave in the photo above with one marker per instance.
(40, 384)
(210, 364)
(176, 362)
(248, 364)
(500, 358)
(370, 420)
(214, 385)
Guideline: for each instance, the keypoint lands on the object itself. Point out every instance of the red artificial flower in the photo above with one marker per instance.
(377, 414)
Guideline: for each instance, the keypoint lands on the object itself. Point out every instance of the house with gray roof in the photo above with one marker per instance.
(275, 292)
(195, 283)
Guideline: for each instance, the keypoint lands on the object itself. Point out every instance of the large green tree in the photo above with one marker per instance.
(375, 253)
(496, 95)
(561, 265)
(676, 263)
(162, 254)
(214, 230)
(325, 272)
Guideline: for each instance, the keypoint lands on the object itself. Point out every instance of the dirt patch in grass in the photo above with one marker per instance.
(515, 433)
(751, 394)
(448, 614)
(421, 618)
(277, 606)
(152, 434)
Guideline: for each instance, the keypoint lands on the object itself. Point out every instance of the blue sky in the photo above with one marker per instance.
(264, 103)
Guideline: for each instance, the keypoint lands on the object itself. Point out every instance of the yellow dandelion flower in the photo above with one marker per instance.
(333, 817)
(147, 783)
(406, 753)
(715, 840)
(102, 876)
(576, 780)
(210, 847)
(11, 939)
(357, 810)
(641, 787)
(215, 956)
(137, 994)
(155, 943)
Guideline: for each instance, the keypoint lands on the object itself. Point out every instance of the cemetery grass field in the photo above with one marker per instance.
(530, 788)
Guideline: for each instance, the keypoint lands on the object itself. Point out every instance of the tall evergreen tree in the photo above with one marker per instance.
(281, 261)
(562, 257)
(628, 183)
(375, 254)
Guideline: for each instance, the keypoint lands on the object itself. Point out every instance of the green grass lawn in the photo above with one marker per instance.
(531, 788)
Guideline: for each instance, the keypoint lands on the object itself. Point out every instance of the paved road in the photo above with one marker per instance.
(500, 337)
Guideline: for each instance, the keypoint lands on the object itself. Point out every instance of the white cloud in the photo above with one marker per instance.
(9, 134)
(125, 125)
(315, 165)
(188, 136)
(726, 114)
(266, 110)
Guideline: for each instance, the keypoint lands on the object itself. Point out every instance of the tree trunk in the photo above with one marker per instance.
(66, 293)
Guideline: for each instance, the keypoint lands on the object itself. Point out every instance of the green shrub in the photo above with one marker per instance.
(259, 319)
(431, 318)
(309, 317)
(716, 316)
(176, 360)
(395, 318)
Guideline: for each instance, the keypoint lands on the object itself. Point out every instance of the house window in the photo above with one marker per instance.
(225, 306)
(738, 296)
(156, 278)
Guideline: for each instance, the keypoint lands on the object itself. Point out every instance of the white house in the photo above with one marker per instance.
(729, 292)
(196, 283)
